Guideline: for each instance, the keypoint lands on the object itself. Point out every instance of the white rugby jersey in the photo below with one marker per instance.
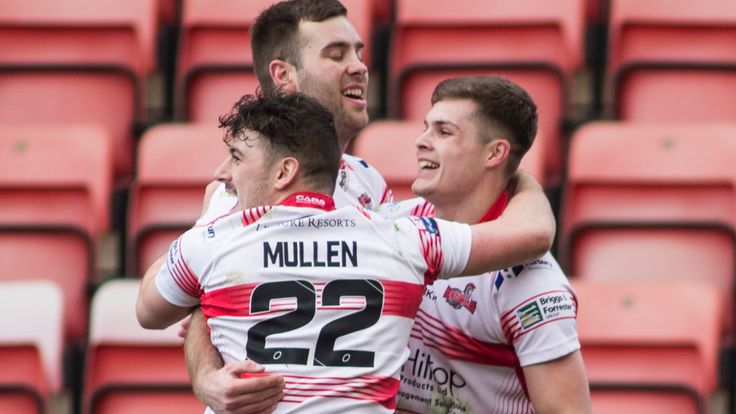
(473, 334)
(321, 296)
(358, 184)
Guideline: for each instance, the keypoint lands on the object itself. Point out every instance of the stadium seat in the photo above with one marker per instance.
(537, 45)
(130, 369)
(54, 202)
(80, 61)
(652, 202)
(673, 60)
(215, 59)
(175, 163)
(649, 344)
(390, 146)
(30, 345)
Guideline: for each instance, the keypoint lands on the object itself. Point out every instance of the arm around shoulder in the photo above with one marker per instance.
(524, 232)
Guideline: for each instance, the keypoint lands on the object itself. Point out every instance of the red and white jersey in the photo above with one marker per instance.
(358, 184)
(473, 334)
(325, 297)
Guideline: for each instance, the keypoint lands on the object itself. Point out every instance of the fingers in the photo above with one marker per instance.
(184, 327)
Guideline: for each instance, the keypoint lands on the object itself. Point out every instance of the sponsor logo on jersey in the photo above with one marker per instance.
(344, 181)
(427, 224)
(210, 232)
(364, 200)
(529, 315)
(548, 307)
(305, 199)
(461, 299)
(174, 251)
(539, 264)
(316, 223)
(423, 372)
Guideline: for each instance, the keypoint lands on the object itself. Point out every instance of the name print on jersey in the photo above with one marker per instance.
(331, 253)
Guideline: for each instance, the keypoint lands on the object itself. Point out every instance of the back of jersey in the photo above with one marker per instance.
(324, 297)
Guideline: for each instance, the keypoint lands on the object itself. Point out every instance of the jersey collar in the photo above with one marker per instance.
(311, 200)
(496, 208)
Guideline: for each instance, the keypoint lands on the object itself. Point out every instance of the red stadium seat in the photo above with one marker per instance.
(54, 202)
(390, 147)
(80, 61)
(652, 202)
(673, 60)
(215, 59)
(130, 369)
(175, 163)
(537, 45)
(30, 346)
(653, 344)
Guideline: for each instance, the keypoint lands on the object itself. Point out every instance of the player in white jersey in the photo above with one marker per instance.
(324, 297)
(356, 180)
(503, 342)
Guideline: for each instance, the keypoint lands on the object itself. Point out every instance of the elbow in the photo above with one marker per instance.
(541, 240)
(146, 319)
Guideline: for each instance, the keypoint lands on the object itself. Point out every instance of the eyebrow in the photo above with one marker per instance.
(234, 151)
(343, 45)
(441, 123)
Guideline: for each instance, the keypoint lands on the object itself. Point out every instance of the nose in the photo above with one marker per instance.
(222, 173)
(356, 66)
(423, 142)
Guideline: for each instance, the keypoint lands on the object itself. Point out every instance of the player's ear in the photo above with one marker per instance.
(286, 173)
(283, 75)
(498, 152)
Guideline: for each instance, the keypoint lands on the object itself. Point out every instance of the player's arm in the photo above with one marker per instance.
(559, 386)
(152, 310)
(220, 387)
(524, 232)
(208, 192)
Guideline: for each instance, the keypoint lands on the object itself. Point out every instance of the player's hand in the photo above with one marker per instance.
(184, 326)
(230, 390)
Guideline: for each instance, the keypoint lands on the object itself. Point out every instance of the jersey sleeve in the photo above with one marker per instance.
(444, 246)
(412, 207)
(538, 310)
(220, 204)
(177, 280)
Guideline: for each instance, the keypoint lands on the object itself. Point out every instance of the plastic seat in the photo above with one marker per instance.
(30, 346)
(655, 342)
(673, 60)
(175, 164)
(537, 45)
(54, 202)
(79, 61)
(131, 369)
(215, 58)
(390, 146)
(652, 202)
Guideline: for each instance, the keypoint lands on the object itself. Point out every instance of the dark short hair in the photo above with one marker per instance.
(503, 108)
(275, 34)
(295, 125)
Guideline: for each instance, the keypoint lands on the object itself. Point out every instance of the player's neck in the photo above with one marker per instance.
(471, 207)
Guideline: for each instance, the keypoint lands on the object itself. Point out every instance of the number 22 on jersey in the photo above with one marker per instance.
(305, 294)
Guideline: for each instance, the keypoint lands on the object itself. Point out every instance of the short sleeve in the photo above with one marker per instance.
(538, 310)
(176, 281)
(443, 245)
(220, 204)
(412, 207)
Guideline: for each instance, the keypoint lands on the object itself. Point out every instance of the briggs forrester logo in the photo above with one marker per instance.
(458, 299)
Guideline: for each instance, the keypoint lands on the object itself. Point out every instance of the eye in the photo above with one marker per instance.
(444, 132)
